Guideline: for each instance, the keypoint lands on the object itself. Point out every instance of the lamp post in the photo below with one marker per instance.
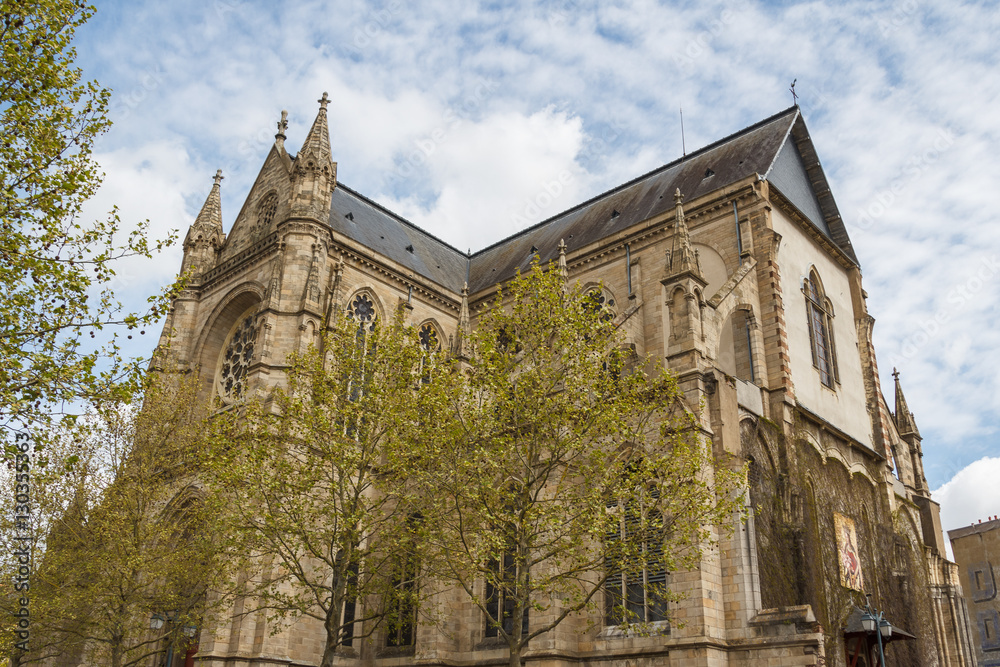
(874, 621)
(157, 621)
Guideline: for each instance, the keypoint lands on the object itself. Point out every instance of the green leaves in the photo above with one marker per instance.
(553, 438)
(56, 268)
(316, 478)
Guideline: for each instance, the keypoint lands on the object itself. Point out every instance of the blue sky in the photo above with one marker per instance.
(456, 115)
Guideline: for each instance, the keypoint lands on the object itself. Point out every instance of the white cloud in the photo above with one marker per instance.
(594, 88)
(972, 495)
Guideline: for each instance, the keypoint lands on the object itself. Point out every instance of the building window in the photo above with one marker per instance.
(600, 301)
(401, 617)
(265, 215)
(636, 588)
(402, 611)
(431, 346)
(362, 310)
(500, 586)
(236, 357)
(819, 313)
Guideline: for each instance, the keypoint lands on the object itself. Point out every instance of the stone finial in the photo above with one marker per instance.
(323, 102)
(218, 177)
(563, 268)
(282, 127)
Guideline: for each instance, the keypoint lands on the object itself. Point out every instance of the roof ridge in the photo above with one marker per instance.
(662, 168)
(399, 218)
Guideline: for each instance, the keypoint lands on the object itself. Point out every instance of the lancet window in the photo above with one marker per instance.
(636, 588)
(819, 313)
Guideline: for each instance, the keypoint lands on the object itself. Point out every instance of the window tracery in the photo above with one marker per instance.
(600, 301)
(636, 588)
(429, 338)
(362, 309)
(237, 355)
(265, 215)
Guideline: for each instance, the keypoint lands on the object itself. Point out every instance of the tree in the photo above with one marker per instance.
(130, 531)
(55, 269)
(564, 468)
(314, 475)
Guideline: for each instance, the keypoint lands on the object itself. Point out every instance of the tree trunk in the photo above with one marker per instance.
(515, 655)
(333, 621)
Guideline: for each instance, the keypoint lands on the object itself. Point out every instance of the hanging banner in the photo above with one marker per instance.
(847, 550)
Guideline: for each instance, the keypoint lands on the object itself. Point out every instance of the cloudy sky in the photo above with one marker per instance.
(456, 114)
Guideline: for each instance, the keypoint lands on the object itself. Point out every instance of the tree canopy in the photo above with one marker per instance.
(316, 472)
(57, 268)
(561, 471)
(122, 528)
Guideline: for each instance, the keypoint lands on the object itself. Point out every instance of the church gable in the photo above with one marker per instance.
(799, 177)
(265, 205)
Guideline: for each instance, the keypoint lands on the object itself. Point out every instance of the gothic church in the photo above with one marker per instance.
(733, 265)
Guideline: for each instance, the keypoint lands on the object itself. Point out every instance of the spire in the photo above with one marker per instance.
(905, 422)
(210, 217)
(682, 258)
(205, 236)
(464, 328)
(314, 173)
(317, 144)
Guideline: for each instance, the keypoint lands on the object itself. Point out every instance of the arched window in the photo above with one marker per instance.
(362, 310)
(234, 364)
(636, 588)
(600, 300)
(430, 343)
(819, 313)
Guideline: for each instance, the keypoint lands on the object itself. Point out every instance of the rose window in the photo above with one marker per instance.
(363, 310)
(236, 359)
(429, 338)
(599, 301)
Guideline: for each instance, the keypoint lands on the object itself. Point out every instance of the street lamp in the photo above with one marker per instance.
(157, 621)
(873, 619)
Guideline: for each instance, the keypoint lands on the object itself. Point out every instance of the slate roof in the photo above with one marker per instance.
(390, 235)
(778, 147)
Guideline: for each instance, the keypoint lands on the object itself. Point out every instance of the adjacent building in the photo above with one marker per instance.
(977, 552)
(733, 266)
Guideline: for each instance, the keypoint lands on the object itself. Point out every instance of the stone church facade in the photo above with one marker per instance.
(732, 265)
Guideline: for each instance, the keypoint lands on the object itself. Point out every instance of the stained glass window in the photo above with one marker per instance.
(601, 301)
(363, 310)
(236, 359)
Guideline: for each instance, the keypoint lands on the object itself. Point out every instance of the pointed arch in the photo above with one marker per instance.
(431, 335)
(215, 337)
